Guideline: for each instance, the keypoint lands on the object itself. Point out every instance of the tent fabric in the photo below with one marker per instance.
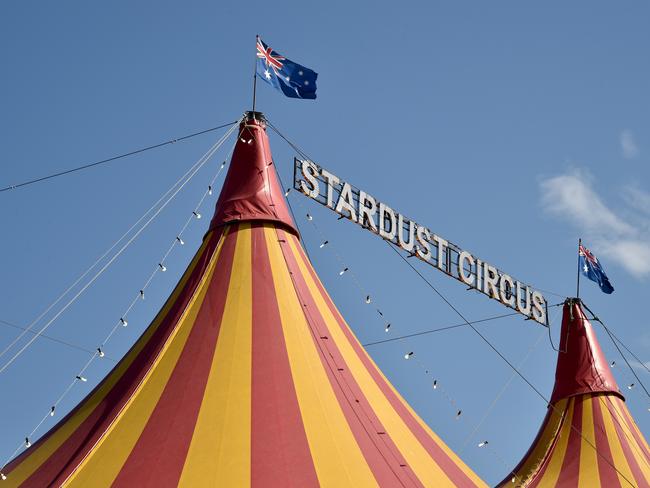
(588, 437)
(248, 376)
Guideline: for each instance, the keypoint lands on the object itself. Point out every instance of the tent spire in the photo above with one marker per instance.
(251, 190)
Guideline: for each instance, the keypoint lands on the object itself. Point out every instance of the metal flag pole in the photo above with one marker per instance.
(579, 270)
(255, 75)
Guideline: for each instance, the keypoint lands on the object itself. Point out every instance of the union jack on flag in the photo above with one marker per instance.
(592, 269)
(292, 79)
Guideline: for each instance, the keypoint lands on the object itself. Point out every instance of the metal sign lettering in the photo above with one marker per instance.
(365, 210)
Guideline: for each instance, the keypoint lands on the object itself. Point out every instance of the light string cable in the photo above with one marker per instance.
(204, 159)
(310, 218)
(99, 353)
(52, 339)
(512, 366)
(29, 327)
(114, 158)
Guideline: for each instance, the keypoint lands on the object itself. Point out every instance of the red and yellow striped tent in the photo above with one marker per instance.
(588, 438)
(248, 376)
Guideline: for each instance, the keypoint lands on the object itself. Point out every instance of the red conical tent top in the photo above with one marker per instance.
(248, 376)
(588, 438)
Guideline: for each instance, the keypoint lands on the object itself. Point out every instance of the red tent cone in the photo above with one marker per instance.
(248, 376)
(588, 437)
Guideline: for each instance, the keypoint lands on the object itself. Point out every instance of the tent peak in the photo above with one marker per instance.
(251, 190)
(581, 365)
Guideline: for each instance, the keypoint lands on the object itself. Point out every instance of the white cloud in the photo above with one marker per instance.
(629, 147)
(571, 197)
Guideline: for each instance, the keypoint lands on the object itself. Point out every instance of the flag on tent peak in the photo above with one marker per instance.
(292, 79)
(592, 269)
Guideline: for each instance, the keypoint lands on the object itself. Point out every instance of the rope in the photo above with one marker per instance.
(114, 158)
(199, 165)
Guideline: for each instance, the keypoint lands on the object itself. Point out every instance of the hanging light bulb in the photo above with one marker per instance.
(514, 479)
(3, 476)
(242, 140)
(52, 411)
(223, 164)
(123, 322)
(286, 193)
(484, 443)
(196, 214)
(142, 294)
(387, 328)
(209, 189)
(180, 241)
(162, 267)
(100, 352)
(309, 217)
(408, 355)
(435, 384)
(82, 378)
(343, 271)
(613, 363)
(27, 443)
(458, 414)
(630, 386)
(368, 299)
(323, 244)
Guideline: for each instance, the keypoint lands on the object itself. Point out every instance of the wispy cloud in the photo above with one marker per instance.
(629, 147)
(618, 236)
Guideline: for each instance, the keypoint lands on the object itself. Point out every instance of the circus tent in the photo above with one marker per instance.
(588, 437)
(249, 375)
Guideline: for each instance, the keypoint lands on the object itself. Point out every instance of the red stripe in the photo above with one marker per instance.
(65, 459)
(158, 457)
(280, 455)
(606, 471)
(451, 469)
(384, 458)
(625, 443)
(570, 470)
(634, 429)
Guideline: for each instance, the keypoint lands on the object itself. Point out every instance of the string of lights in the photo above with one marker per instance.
(204, 159)
(122, 322)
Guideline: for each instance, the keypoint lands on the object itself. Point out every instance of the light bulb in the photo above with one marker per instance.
(368, 299)
(309, 217)
(180, 241)
(52, 411)
(27, 443)
(209, 189)
(458, 414)
(142, 294)
(3, 476)
(82, 378)
(484, 443)
(630, 386)
(408, 355)
(163, 268)
(100, 352)
(286, 193)
(197, 215)
(435, 384)
(325, 243)
(124, 322)
(387, 327)
(343, 271)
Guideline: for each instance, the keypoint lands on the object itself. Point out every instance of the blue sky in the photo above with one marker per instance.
(511, 129)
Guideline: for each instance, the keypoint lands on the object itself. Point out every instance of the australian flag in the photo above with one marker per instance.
(290, 78)
(591, 268)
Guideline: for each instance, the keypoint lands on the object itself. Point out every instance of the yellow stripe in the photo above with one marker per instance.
(544, 444)
(552, 472)
(40, 454)
(621, 412)
(618, 456)
(337, 457)
(416, 456)
(588, 475)
(219, 454)
(104, 461)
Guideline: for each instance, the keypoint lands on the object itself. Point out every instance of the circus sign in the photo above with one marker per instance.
(418, 240)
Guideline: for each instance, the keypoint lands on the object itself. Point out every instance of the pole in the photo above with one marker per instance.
(255, 76)
(579, 270)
